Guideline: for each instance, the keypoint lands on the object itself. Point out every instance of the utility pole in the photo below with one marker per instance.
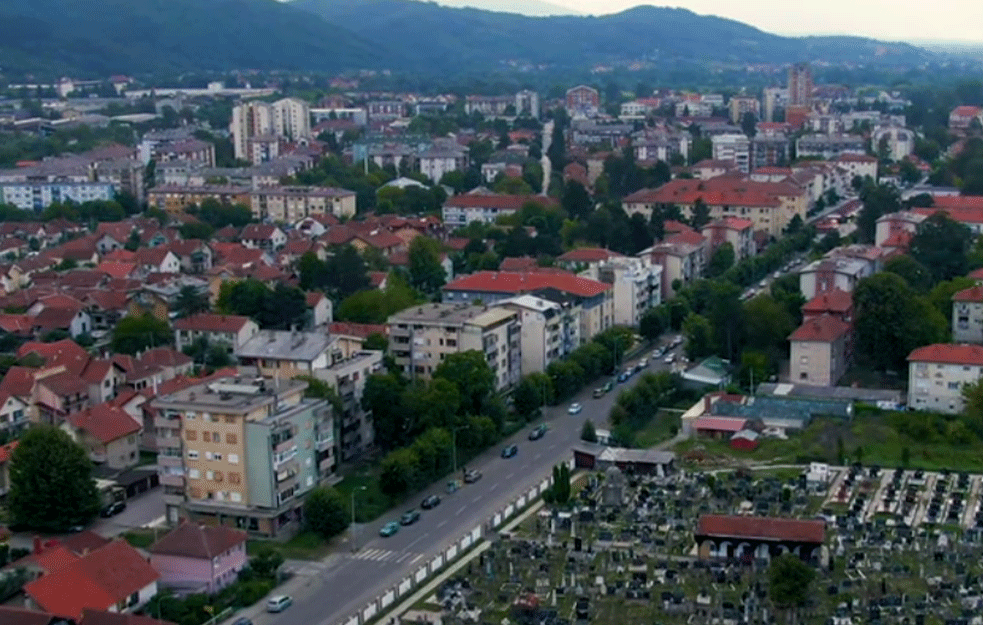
(354, 535)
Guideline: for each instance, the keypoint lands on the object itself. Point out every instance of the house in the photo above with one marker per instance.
(59, 393)
(109, 435)
(264, 237)
(486, 207)
(194, 256)
(74, 321)
(156, 260)
(199, 559)
(836, 303)
(229, 330)
(937, 374)
(734, 230)
(967, 315)
(820, 351)
(13, 412)
(321, 308)
(827, 274)
(718, 427)
(748, 537)
(114, 577)
(170, 362)
(962, 117)
(286, 353)
(5, 453)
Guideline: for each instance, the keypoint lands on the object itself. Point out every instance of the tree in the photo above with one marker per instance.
(701, 214)
(576, 201)
(325, 512)
(721, 260)
(587, 432)
(942, 244)
(789, 581)
(767, 325)
(51, 485)
(345, 273)
(653, 323)
(426, 272)
(382, 397)
(137, 333)
(699, 336)
(914, 273)
(532, 392)
(878, 200)
(474, 379)
(749, 124)
(190, 301)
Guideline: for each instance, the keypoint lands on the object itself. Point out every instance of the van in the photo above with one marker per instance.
(278, 603)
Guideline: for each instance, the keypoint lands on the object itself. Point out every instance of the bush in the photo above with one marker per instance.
(325, 512)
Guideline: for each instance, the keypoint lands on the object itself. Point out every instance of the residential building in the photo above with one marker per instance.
(249, 119)
(835, 303)
(830, 147)
(827, 274)
(286, 353)
(291, 204)
(14, 412)
(800, 86)
(172, 199)
(110, 436)
(858, 165)
(486, 207)
(421, 337)
(441, 158)
(488, 106)
(769, 151)
(194, 558)
(385, 110)
(775, 98)
(548, 330)
(820, 351)
(741, 106)
(937, 374)
(229, 330)
(595, 299)
(266, 237)
(734, 230)
(36, 196)
(962, 117)
(636, 285)
(292, 118)
(527, 104)
(734, 148)
(682, 261)
(770, 206)
(899, 142)
(250, 448)
(967, 315)
(288, 118)
(583, 101)
(890, 225)
(110, 578)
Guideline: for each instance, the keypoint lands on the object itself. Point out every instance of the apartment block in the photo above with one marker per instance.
(967, 315)
(636, 284)
(937, 374)
(241, 452)
(549, 330)
(734, 148)
(420, 338)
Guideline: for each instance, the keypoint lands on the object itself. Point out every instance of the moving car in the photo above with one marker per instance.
(430, 502)
(510, 451)
(574, 408)
(471, 476)
(389, 529)
(409, 517)
(113, 509)
(538, 432)
(278, 603)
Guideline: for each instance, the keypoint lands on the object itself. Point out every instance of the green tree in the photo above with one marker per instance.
(345, 273)
(913, 272)
(532, 392)
(376, 341)
(382, 397)
(701, 214)
(942, 245)
(325, 513)
(469, 371)
(576, 201)
(137, 333)
(653, 323)
(789, 581)
(191, 301)
(587, 432)
(699, 336)
(721, 260)
(51, 485)
(749, 124)
(878, 200)
(426, 272)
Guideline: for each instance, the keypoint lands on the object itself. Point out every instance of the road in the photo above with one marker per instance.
(345, 582)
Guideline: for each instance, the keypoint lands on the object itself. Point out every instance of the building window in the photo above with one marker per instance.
(192, 454)
(194, 474)
(230, 419)
(191, 435)
(206, 436)
(234, 458)
(231, 439)
(216, 437)
(235, 478)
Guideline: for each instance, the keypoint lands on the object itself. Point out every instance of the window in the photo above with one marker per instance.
(235, 497)
(209, 475)
(191, 435)
(194, 474)
(230, 419)
(193, 454)
(231, 439)
(218, 476)
(216, 437)
(216, 456)
(234, 458)
(235, 478)
(206, 436)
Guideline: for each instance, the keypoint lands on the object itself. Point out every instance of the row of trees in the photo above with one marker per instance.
(280, 308)
(635, 407)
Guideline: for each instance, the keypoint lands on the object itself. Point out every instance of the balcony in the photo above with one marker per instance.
(325, 442)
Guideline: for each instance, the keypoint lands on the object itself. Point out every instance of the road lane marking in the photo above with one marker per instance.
(476, 499)
(460, 510)
(510, 476)
(442, 524)
(414, 560)
(417, 540)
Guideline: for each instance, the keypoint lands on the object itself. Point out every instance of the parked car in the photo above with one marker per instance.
(409, 517)
(598, 392)
(670, 359)
(643, 363)
(509, 451)
(430, 502)
(607, 387)
(389, 529)
(574, 408)
(278, 603)
(623, 377)
(471, 476)
(113, 509)
(242, 621)
(538, 432)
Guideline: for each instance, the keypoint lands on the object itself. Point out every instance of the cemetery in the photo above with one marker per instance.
(695, 546)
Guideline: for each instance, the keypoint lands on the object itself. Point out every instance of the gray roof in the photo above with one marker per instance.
(831, 392)
(642, 456)
(794, 409)
(285, 345)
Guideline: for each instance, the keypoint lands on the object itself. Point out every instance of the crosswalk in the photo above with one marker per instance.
(383, 555)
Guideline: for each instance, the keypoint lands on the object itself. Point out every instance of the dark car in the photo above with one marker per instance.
(510, 451)
(538, 432)
(242, 621)
(113, 509)
(430, 502)
(409, 517)
(471, 476)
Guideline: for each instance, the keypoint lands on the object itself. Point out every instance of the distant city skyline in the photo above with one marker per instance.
(945, 20)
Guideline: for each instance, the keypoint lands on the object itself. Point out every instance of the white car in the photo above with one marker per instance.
(670, 359)
(574, 408)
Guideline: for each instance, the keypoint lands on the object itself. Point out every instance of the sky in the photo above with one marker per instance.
(894, 20)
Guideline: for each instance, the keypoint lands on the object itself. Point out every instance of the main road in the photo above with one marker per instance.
(332, 590)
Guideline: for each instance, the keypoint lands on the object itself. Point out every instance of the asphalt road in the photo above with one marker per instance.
(345, 582)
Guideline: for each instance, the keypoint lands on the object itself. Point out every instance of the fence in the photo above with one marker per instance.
(446, 556)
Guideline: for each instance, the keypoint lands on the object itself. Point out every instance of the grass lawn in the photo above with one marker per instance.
(303, 546)
(141, 539)
(370, 501)
(660, 428)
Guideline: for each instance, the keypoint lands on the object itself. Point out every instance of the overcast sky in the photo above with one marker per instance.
(882, 19)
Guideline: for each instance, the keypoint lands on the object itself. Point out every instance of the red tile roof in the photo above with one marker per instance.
(105, 422)
(64, 383)
(19, 381)
(6, 450)
(165, 357)
(688, 237)
(719, 424)
(966, 111)
(762, 528)
(64, 352)
(98, 581)
(83, 542)
(191, 540)
(10, 615)
(716, 192)
(855, 158)
(524, 282)
(116, 269)
(972, 294)
(15, 324)
(824, 329)
(976, 274)
(731, 223)
(947, 353)
(836, 300)
(208, 322)
(522, 263)
(361, 330)
(257, 232)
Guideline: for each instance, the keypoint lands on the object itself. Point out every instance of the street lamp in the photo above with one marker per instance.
(354, 534)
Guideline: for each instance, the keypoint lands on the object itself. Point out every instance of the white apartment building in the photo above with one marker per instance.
(422, 336)
(287, 118)
(35, 196)
(734, 148)
(636, 283)
(292, 118)
(937, 374)
(441, 158)
(967, 315)
(548, 330)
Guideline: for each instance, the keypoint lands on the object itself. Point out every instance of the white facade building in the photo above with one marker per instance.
(733, 148)
(937, 374)
(35, 196)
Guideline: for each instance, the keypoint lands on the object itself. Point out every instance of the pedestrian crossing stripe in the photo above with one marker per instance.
(381, 555)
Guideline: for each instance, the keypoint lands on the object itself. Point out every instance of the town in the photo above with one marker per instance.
(672, 355)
